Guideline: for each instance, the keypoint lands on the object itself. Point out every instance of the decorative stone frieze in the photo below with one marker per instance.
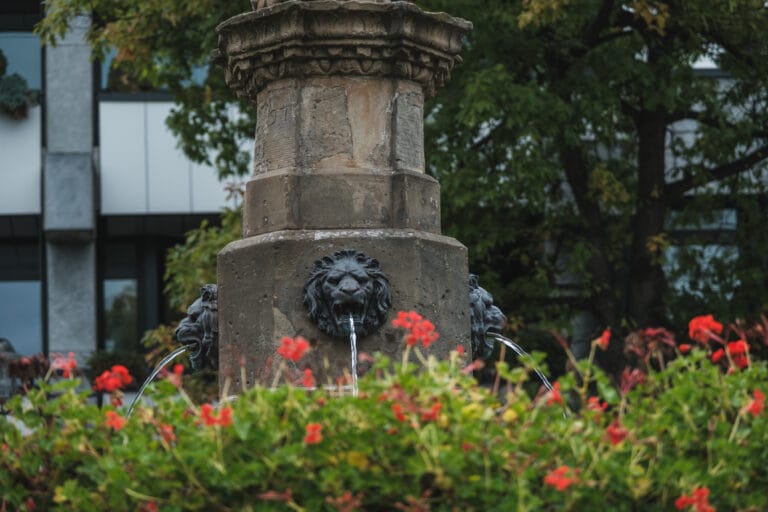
(298, 39)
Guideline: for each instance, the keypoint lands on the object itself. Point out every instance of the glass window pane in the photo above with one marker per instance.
(24, 55)
(120, 315)
(20, 315)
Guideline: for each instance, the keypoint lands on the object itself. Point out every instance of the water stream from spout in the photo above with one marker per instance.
(353, 347)
(521, 354)
(162, 364)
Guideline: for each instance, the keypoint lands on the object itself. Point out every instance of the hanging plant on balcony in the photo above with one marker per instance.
(15, 95)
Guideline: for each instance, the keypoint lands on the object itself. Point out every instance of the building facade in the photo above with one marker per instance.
(93, 191)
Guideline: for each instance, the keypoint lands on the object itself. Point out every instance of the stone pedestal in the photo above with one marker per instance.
(339, 89)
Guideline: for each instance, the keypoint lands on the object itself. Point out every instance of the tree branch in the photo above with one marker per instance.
(674, 191)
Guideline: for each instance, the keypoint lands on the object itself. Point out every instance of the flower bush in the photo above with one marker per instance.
(688, 436)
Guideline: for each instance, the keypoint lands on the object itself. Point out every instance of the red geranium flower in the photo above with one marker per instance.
(223, 419)
(605, 339)
(293, 349)
(112, 380)
(685, 348)
(421, 330)
(166, 432)
(616, 433)
(699, 499)
(594, 404)
(630, 379)
(175, 377)
(432, 413)
(114, 420)
(738, 351)
(65, 364)
(314, 433)
(398, 410)
(718, 355)
(701, 328)
(557, 478)
(554, 395)
(755, 407)
(308, 380)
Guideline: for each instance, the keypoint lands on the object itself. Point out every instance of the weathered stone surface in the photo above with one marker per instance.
(261, 281)
(339, 89)
(286, 200)
(334, 124)
(329, 38)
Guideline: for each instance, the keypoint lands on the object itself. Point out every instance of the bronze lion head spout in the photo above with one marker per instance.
(485, 318)
(200, 329)
(349, 283)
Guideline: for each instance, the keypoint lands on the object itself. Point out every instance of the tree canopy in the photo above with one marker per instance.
(573, 144)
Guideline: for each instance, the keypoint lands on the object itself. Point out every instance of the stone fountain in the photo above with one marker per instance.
(339, 217)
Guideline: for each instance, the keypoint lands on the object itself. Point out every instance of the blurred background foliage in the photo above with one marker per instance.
(597, 178)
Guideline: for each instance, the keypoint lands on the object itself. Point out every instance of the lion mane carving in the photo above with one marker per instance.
(347, 283)
(485, 317)
(200, 328)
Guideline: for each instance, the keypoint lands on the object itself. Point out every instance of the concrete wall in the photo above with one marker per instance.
(69, 209)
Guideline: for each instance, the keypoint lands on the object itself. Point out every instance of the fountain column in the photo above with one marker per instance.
(339, 89)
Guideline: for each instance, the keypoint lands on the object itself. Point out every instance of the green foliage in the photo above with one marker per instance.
(15, 95)
(193, 263)
(412, 440)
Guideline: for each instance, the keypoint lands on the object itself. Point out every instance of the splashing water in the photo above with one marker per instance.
(522, 354)
(162, 364)
(353, 346)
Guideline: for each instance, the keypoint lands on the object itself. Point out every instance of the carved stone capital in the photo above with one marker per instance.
(301, 38)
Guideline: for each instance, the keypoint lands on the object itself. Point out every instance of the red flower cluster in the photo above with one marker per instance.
(557, 478)
(314, 433)
(594, 404)
(630, 379)
(403, 405)
(755, 407)
(65, 364)
(702, 328)
(699, 500)
(166, 432)
(223, 419)
(346, 502)
(293, 349)
(421, 330)
(738, 351)
(554, 396)
(114, 420)
(397, 409)
(616, 433)
(308, 380)
(432, 413)
(112, 380)
(175, 377)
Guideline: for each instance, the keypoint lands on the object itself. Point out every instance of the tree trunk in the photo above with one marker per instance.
(646, 280)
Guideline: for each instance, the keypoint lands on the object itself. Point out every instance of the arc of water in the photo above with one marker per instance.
(353, 347)
(522, 354)
(162, 364)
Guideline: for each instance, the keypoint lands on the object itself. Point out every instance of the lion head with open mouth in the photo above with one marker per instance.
(349, 283)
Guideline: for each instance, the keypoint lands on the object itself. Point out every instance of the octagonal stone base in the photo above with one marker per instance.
(261, 281)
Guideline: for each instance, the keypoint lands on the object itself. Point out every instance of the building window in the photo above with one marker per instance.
(121, 315)
(20, 315)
